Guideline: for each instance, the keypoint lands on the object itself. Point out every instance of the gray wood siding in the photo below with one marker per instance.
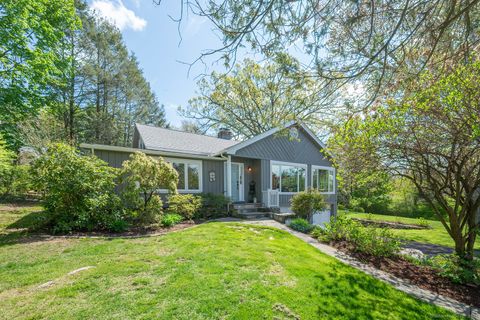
(115, 159)
(303, 150)
(216, 186)
(281, 148)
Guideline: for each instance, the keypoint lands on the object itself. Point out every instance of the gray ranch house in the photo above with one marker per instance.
(266, 170)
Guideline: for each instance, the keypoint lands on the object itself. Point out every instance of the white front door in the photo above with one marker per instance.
(237, 182)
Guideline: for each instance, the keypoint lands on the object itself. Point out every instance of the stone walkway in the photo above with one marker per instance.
(400, 284)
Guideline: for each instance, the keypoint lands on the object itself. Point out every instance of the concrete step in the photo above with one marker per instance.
(247, 210)
(252, 215)
(240, 206)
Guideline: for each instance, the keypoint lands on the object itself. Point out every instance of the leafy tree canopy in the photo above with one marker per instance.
(255, 97)
(379, 43)
(433, 139)
(30, 34)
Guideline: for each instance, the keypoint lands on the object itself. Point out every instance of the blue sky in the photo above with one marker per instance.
(153, 37)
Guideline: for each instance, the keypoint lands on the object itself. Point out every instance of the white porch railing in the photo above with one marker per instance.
(271, 198)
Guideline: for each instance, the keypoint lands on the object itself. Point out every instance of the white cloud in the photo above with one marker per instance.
(120, 15)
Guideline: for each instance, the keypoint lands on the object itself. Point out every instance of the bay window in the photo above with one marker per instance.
(323, 179)
(288, 177)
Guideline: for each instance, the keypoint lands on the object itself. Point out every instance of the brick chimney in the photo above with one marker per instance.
(225, 133)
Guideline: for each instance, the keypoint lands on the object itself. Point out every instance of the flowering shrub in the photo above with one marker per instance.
(79, 190)
(141, 177)
(186, 205)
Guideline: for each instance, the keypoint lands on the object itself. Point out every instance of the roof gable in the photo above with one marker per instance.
(304, 149)
(300, 125)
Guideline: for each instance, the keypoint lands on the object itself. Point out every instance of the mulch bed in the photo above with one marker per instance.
(423, 276)
(36, 236)
(135, 231)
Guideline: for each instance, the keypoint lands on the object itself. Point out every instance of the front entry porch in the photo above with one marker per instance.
(247, 181)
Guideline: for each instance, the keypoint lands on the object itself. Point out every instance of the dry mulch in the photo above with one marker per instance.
(423, 276)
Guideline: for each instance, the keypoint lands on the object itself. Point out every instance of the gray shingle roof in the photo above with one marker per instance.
(161, 139)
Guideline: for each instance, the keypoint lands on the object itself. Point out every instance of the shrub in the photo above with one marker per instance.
(301, 225)
(358, 209)
(79, 190)
(16, 182)
(370, 240)
(186, 205)
(306, 203)
(141, 177)
(457, 269)
(213, 206)
(171, 219)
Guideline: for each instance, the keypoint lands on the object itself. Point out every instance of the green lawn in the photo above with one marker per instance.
(211, 271)
(436, 235)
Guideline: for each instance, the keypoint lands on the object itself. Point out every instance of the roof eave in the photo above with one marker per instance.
(148, 151)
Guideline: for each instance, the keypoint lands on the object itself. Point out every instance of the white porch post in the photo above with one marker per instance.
(229, 176)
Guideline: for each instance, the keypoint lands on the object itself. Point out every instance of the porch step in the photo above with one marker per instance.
(240, 206)
(252, 215)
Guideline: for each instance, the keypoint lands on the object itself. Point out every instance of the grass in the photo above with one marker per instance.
(211, 271)
(436, 234)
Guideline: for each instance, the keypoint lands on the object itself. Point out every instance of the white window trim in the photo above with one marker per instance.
(186, 162)
(328, 169)
(301, 165)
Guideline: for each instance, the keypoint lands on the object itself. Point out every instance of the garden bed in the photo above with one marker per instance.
(388, 224)
(423, 276)
(135, 231)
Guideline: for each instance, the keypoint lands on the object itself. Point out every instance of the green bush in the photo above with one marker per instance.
(186, 205)
(457, 269)
(306, 203)
(358, 209)
(213, 206)
(118, 225)
(171, 219)
(370, 240)
(79, 190)
(15, 183)
(301, 225)
(140, 178)
(149, 214)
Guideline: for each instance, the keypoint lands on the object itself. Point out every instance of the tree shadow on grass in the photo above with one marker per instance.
(357, 295)
(29, 227)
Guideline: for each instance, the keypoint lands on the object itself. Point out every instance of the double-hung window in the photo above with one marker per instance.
(288, 177)
(189, 174)
(323, 179)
